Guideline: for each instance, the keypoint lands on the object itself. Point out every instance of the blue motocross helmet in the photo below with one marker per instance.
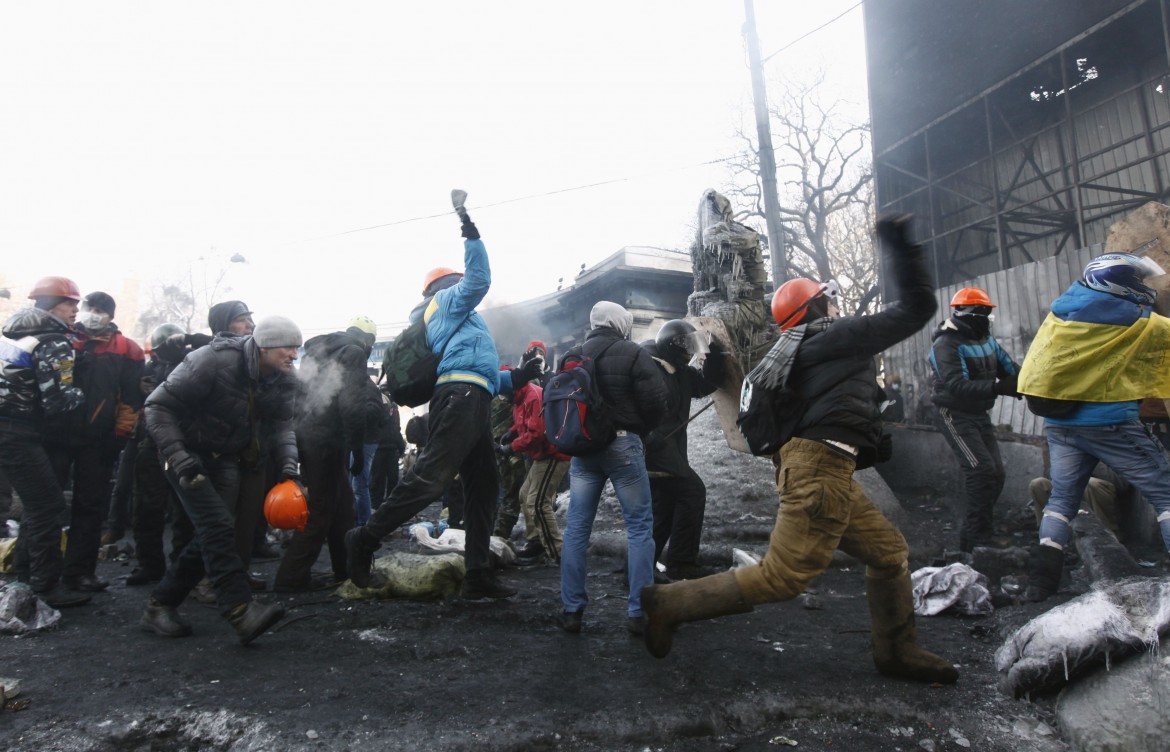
(1123, 274)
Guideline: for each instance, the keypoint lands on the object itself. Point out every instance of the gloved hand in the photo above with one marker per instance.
(885, 448)
(468, 230)
(893, 229)
(509, 437)
(715, 366)
(190, 471)
(505, 450)
(357, 461)
(526, 372)
(147, 384)
(1007, 386)
(290, 470)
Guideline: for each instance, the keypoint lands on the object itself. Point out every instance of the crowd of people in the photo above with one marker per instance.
(201, 426)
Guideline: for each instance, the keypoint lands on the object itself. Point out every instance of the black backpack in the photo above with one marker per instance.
(768, 417)
(576, 419)
(410, 367)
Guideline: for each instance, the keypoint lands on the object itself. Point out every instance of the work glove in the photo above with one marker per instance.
(526, 372)
(468, 230)
(357, 462)
(715, 366)
(1007, 386)
(147, 384)
(190, 471)
(893, 229)
(505, 450)
(290, 470)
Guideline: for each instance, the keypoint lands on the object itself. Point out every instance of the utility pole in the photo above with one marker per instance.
(767, 154)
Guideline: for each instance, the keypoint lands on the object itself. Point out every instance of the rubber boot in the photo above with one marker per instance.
(896, 651)
(667, 606)
(1045, 567)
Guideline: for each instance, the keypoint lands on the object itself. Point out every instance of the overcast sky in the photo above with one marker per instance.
(138, 137)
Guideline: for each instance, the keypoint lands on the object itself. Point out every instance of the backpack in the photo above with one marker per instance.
(1049, 407)
(768, 417)
(409, 366)
(577, 421)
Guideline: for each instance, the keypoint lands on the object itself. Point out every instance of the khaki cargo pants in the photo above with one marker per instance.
(821, 509)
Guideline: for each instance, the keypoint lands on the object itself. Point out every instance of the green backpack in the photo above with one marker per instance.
(409, 366)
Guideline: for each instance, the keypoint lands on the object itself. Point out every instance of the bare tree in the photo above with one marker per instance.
(184, 298)
(823, 165)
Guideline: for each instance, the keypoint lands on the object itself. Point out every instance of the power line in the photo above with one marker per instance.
(844, 13)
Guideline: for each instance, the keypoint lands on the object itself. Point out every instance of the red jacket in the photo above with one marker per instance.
(528, 423)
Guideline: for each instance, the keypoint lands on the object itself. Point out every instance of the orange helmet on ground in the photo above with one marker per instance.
(56, 287)
(971, 296)
(792, 299)
(436, 274)
(287, 506)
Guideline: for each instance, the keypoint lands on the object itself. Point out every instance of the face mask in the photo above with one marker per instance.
(93, 321)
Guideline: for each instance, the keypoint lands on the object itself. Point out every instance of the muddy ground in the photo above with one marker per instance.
(461, 675)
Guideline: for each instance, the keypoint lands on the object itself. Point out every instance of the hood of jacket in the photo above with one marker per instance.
(30, 321)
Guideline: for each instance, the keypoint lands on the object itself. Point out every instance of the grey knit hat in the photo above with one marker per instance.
(277, 331)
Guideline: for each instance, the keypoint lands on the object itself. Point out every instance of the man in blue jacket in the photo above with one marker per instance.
(460, 441)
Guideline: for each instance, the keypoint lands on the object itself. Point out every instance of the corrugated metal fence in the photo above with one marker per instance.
(1022, 296)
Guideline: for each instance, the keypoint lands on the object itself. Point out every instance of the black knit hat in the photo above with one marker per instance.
(100, 301)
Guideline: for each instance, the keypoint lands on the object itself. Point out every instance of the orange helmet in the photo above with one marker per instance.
(286, 506)
(58, 287)
(971, 296)
(792, 299)
(436, 274)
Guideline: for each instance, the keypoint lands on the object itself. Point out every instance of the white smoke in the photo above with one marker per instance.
(321, 382)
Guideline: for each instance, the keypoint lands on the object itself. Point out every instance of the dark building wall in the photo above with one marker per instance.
(1017, 131)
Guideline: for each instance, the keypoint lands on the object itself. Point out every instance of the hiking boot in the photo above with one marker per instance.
(257, 584)
(570, 621)
(204, 592)
(359, 559)
(254, 618)
(636, 625)
(59, 597)
(532, 551)
(86, 583)
(163, 620)
(143, 576)
(482, 583)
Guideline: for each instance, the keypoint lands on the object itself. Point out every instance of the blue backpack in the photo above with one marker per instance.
(576, 419)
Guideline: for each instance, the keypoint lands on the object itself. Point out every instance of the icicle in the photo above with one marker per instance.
(1108, 662)
(1064, 657)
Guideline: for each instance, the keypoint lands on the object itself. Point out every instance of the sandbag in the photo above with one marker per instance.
(21, 612)
(420, 577)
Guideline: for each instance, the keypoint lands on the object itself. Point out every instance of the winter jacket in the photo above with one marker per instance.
(334, 392)
(835, 369)
(470, 354)
(666, 446)
(36, 367)
(108, 370)
(966, 367)
(629, 380)
(528, 424)
(390, 434)
(215, 401)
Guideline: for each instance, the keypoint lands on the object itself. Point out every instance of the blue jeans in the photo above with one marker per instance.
(623, 463)
(1127, 448)
(361, 485)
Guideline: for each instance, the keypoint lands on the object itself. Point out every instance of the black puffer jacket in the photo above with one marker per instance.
(966, 366)
(334, 391)
(666, 446)
(835, 368)
(629, 380)
(215, 401)
(36, 367)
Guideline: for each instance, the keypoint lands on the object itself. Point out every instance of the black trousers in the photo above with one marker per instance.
(37, 559)
(383, 475)
(118, 521)
(213, 551)
(90, 468)
(460, 443)
(325, 471)
(679, 506)
(153, 498)
(972, 439)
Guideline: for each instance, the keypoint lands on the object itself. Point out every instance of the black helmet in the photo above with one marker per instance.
(162, 332)
(678, 341)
